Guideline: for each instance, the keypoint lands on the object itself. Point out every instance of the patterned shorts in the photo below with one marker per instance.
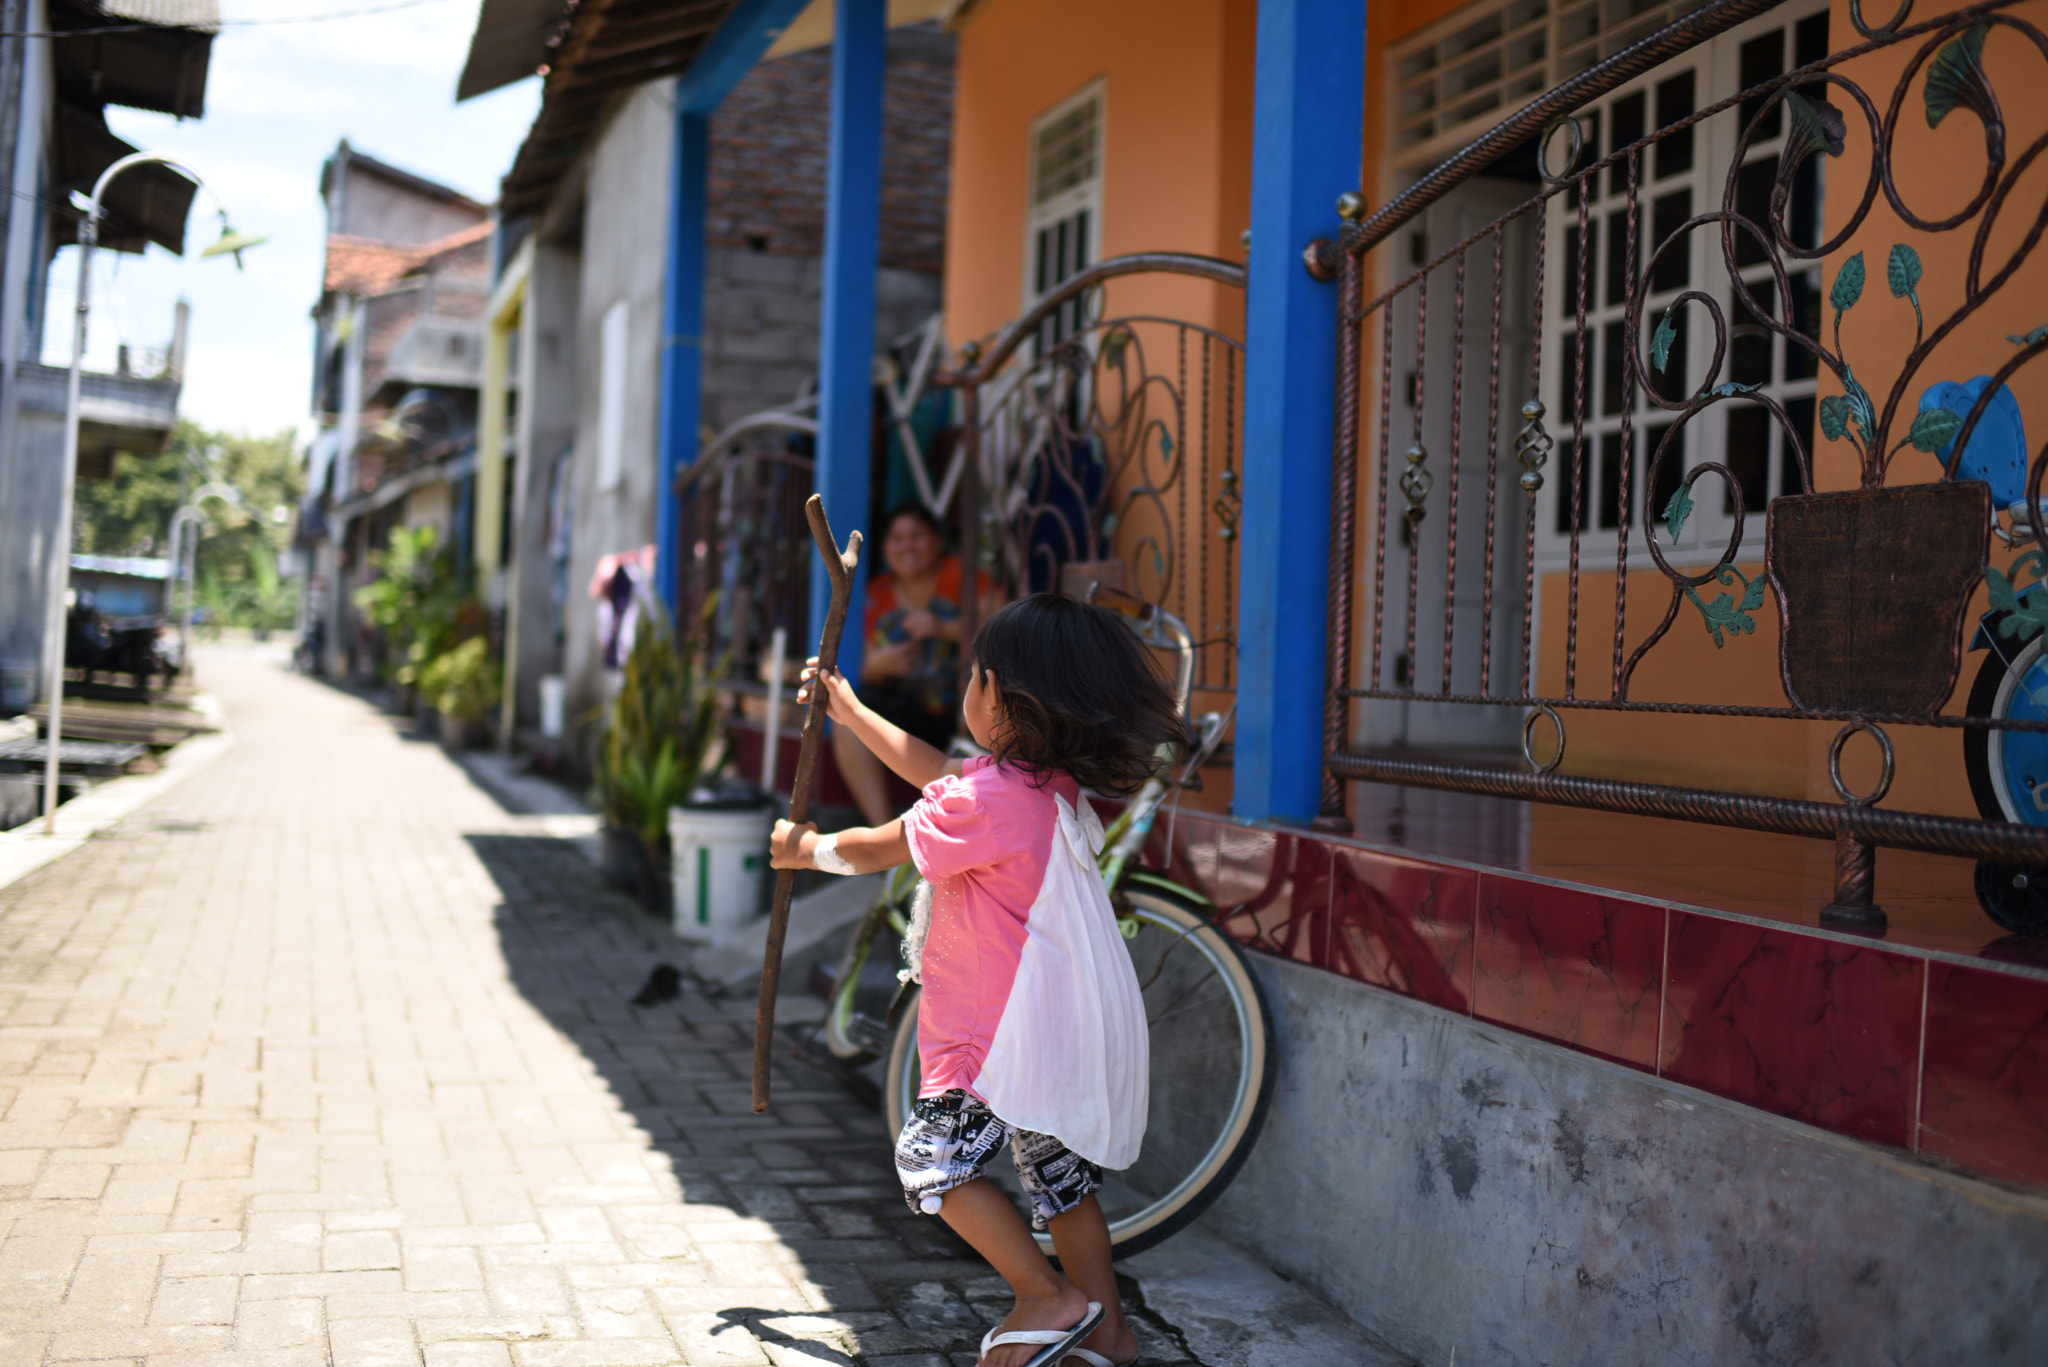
(951, 1140)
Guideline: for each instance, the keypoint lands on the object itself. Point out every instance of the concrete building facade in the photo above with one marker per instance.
(586, 250)
(397, 360)
(54, 142)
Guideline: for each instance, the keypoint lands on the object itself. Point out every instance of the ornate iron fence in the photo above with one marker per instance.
(742, 514)
(1110, 453)
(1873, 583)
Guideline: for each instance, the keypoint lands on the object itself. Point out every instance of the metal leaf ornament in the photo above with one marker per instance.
(1848, 287)
(1724, 613)
(1678, 510)
(1933, 429)
(1902, 272)
(1660, 343)
(1817, 127)
(1956, 76)
(2026, 613)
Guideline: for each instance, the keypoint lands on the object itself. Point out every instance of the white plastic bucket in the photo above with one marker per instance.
(718, 865)
(554, 706)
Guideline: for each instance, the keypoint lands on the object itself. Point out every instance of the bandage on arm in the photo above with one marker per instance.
(826, 858)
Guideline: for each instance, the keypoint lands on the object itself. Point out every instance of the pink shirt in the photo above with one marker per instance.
(982, 839)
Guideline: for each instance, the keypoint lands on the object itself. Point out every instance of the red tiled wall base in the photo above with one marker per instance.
(1800, 1025)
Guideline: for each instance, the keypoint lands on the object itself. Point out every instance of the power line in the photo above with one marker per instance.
(227, 23)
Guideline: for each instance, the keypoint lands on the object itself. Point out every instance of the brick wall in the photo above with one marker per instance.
(768, 154)
(761, 326)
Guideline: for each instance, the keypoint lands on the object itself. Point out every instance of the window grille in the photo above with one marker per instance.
(1457, 77)
(1065, 227)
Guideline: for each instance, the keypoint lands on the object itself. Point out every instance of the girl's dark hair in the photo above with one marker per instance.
(1079, 694)
(917, 510)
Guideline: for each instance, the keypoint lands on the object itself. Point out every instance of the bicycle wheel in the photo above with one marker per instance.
(1211, 1079)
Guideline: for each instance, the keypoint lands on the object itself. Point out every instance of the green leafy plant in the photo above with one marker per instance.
(465, 682)
(413, 601)
(664, 724)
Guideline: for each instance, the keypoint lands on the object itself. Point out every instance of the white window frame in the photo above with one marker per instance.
(1707, 531)
(1085, 197)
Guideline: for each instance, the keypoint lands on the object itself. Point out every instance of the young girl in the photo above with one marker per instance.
(1031, 1029)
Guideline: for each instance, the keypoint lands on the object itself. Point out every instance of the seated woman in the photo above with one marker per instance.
(910, 649)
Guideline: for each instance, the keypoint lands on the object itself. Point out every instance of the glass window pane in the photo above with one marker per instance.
(1614, 358)
(1749, 453)
(1611, 511)
(1800, 411)
(1753, 201)
(1762, 58)
(1625, 123)
(1620, 269)
(1799, 362)
(1674, 102)
(1674, 268)
(1810, 39)
(1749, 346)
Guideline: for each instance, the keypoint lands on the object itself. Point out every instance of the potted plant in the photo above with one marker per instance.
(663, 726)
(1874, 583)
(413, 604)
(464, 685)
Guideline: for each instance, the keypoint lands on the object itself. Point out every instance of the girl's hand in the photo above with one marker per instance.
(840, 702)
(789, 847)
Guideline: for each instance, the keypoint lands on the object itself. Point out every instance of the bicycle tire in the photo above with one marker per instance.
(1138, 1230)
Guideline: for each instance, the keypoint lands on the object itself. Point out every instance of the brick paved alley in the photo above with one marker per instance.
(324, 1058)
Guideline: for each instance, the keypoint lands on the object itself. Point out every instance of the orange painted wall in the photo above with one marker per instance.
(1937, 171)
(1177, 142)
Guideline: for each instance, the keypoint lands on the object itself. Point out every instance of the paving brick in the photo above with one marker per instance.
(372, 1343)
(355, 1083)
(264, 1325)
(193, 1300)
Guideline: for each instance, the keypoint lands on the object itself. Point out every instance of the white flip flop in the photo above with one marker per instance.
(1094, 1359)
(1058, 1343)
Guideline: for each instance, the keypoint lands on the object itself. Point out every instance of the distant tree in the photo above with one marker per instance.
(130, 514)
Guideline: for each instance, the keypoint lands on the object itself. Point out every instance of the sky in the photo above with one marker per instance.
(279, 96)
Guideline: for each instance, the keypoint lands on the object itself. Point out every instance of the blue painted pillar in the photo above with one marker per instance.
(1307, 111)
(682, 337)
(846, 330)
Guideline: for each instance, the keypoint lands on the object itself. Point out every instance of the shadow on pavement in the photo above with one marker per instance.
(868, 1281)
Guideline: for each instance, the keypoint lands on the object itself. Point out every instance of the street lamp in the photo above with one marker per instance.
(229, 243)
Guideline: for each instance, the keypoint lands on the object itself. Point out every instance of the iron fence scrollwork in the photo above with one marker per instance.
(1921, 526)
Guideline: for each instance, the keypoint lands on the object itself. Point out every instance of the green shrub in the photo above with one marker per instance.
(664, 724)
(465, 682)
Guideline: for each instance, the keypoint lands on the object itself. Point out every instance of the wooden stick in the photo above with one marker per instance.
(840, 566)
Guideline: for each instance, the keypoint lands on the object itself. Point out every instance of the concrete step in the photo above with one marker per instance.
(1231, 1310)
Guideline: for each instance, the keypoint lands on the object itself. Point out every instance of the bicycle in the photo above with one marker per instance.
(1212, 1060)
